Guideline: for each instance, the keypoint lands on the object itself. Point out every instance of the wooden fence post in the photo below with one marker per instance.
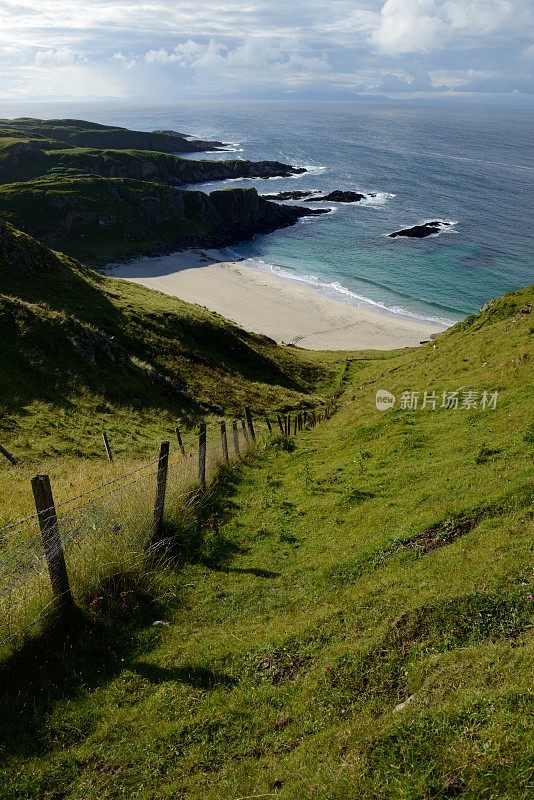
(108, 448)
(10, 457)
(245, 430)
(53, 548)
(224, 442)
(179, 440)
(161, 488)
(202, 455)
(295, 424)
(250, 424)
(288, 424)
(235, 432)
(280, 424)
(269, 426)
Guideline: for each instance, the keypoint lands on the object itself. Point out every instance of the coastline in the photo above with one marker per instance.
(261, 301)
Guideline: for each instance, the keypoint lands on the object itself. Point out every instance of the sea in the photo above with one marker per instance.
(469, 165)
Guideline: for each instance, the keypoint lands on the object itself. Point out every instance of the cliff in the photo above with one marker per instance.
(104, 219)
(21, 160)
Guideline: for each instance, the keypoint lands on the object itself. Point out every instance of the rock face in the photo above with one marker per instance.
(243, 213)
(102, 219)
(315, 196)
(26, 159)
(423, 230)
(171, 170)
(298, 195)
(340, 197)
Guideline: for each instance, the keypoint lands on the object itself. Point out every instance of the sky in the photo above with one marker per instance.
(172, 50)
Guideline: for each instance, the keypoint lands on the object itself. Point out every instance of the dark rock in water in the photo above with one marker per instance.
(339, 197)
(315, 196)
(421, 231)
(299, 195)
(312, 212)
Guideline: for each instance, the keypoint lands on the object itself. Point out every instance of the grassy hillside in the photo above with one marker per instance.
(22, 159)
(81, 133)
(81, 352)
(102, 194)
(363, 629)
(103, 219)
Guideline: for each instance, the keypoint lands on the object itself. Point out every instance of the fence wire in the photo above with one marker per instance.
(104, 531)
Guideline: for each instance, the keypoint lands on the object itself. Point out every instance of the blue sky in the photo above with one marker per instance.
(163, 50)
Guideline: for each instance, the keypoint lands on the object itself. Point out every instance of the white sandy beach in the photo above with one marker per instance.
(284, 309)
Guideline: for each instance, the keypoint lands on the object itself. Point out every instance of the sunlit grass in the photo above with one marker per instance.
(361, 625)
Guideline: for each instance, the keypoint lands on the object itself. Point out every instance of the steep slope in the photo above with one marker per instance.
(102, 219)
(365, 630)
(80, 350)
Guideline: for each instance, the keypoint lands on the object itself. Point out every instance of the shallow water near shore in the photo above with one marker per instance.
(473, 166)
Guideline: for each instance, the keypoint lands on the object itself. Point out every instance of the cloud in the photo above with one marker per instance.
(183, 54)
(407, 26)
(177, 49)
(59, 57)
(421, 26)
(253, 61)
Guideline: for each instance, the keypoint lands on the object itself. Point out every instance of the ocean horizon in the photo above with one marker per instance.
(470, 166)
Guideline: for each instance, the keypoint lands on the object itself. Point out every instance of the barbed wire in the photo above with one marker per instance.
(209, 426)
(35, 515)
(85, 527)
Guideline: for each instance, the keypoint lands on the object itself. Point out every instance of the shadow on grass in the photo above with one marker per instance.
(70, 660)
(65, 661)
(197, 677)
(192, 532)
(259, 573)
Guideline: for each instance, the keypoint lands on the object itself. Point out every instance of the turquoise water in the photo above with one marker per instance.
(470, 165)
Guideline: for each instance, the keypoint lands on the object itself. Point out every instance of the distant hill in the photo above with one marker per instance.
(81, 133)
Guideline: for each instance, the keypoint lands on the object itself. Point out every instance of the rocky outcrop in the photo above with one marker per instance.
(244, 213)
(294, 195)
(339, 196)
(316, 196)
(423, 230)
(117, 218)
(166, 168)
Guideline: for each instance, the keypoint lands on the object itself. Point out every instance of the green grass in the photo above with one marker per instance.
(81, 133)
(386, 559)
(82, 352)
(45, 158)
(105, 194)
(101, 220)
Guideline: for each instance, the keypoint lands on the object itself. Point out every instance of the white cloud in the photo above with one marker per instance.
(477, 16)
(166, 49)
(421, 26)
(59, 57)
(183, 54)
(127, 63)
(407, 26)
(257, 60)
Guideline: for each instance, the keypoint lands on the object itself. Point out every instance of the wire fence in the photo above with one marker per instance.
(62, 555)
